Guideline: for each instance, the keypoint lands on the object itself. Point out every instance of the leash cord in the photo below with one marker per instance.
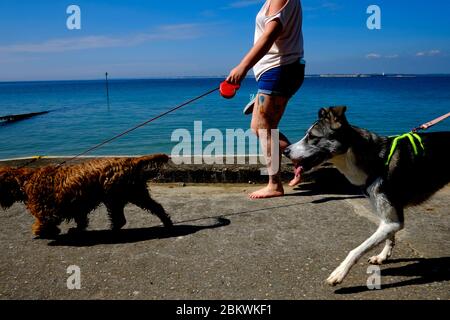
(431, 123)
(34, 159)
(137, 126)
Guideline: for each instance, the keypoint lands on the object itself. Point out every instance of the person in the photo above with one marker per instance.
(277, 61)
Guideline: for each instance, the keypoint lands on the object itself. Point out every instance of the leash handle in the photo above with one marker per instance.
(228, 90)
(427, 125)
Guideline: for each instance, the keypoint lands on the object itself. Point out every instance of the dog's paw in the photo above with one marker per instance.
(47, 236)
(48, 233)
(377, 260)
(336, 277)
(75, 231)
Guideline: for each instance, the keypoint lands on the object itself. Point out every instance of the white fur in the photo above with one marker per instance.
(301, 150)
(390, 223)
(386, 231)
(345, 163)
(385, 253)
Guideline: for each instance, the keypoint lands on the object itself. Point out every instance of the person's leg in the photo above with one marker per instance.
(299, 75)
(267, 114)
(297, 178)
(284, 143)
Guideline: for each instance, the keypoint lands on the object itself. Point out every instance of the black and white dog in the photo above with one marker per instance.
(393, 177)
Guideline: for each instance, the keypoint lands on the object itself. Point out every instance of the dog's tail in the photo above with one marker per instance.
(11, 185)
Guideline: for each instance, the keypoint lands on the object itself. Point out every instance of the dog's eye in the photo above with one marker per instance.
(315, 133)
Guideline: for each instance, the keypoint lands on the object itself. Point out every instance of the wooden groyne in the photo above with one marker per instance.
(19, 117)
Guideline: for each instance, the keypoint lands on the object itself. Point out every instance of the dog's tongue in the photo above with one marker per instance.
(298, 170)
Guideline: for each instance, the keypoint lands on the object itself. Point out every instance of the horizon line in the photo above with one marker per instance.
(355, 75)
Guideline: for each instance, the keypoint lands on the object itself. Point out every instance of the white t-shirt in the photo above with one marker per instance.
(288, 48)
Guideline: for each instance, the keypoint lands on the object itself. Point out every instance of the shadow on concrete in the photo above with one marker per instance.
(322, 187)
(318, 201)
(328, 199)
(318, 188)
(98, 237)
(247, 211)
(422, 271)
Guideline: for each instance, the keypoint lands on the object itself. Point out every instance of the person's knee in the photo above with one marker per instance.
(258, 122)
(255, 128)
(260, 126)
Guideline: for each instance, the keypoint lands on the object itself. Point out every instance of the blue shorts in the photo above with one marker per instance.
(283, 80)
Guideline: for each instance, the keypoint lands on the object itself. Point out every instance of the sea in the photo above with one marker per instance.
(81, 116)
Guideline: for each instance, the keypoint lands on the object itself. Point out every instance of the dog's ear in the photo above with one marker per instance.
(336, 116)
(323, 113)
(338, 111)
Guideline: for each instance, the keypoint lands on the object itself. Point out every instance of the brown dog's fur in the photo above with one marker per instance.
(53, 194)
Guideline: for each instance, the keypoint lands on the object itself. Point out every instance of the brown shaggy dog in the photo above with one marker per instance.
(53, 194)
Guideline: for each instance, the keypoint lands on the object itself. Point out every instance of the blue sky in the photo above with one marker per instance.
(152, 38)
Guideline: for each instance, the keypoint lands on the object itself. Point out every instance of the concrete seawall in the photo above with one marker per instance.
(211, 170)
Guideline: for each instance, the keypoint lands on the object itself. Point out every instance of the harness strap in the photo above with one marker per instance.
(415, 135)
(411, 137)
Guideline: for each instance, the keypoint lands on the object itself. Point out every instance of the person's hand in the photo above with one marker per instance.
(237, 74)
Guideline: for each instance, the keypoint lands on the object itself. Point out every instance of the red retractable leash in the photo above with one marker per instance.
(228, 90)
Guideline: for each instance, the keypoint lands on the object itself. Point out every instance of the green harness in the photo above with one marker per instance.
(412, 136)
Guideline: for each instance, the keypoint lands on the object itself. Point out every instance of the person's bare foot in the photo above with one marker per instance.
(271, 191)
(295, 181)
(298, 177)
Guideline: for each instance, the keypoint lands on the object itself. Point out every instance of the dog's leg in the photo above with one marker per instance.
(82, 223)
(45, 230)
(384, 231)
(116, 215)
(143, 200)
(385, 253)
(37, 227)
(391, 222)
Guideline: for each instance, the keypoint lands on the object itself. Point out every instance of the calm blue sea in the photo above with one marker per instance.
(82, 118)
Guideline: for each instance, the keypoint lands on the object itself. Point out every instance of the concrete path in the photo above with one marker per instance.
(225, 246)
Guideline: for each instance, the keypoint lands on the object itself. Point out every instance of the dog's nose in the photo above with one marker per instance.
(287, 152)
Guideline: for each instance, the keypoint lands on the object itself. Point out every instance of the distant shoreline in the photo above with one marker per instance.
(331, 75)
